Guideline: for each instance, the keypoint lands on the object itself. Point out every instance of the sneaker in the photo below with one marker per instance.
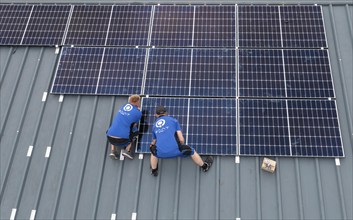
(114, 155)
(127, 154)
(154, 172)
(208, 161)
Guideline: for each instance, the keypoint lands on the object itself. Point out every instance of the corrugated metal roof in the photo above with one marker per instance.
(77, 180)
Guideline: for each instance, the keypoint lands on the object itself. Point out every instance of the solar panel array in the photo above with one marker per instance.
(241, 79)
(272, 127)
(169, 72)
(254, 26)
(210, 72)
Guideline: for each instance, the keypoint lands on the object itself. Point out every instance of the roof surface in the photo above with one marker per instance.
(77, 180)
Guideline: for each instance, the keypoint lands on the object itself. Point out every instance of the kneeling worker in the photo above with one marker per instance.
(123, 130)
(168, 142)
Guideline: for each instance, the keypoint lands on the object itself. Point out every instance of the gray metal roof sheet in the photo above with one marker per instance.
(79, 181)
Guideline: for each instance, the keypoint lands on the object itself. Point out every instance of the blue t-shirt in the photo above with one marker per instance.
(127, 115)
(163, 131)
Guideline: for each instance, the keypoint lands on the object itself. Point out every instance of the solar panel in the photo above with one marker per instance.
(263, 127)
(308, 74)
(13, 22)
(89, 25)
(78, 70)
(168, 72)
(172, 26)
(122, 71)
(214, 26)
(302, 26)
(90, 70)
(208, 125)
(314, 128)
(47, 25)
(212, 126)
(307, 128)
(213, 72)
(261, 73)
(259, 26)
(285, 73)
(129, 25)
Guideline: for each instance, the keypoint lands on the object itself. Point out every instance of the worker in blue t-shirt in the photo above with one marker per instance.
(123, 130)
(168, 142)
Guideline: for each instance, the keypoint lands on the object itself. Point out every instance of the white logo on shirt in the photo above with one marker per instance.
(160, 123)
(128, 107)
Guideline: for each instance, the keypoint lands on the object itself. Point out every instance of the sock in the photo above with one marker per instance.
(154, 170)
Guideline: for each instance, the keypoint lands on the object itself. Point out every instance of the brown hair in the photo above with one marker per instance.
(134, 99)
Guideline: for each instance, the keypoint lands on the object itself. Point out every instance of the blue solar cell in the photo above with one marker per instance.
(302, 26)
(122, 71)
(314, 128)
(176, 107)
(172, 26)
(213, 72)
(261, 73)
(214, 26)
(47, 25)
(129, 25)
(78, 71)
(168, 72)
(263, 127)
(259, 26)
(308, 74)
(13, 21)
(212, 126)
(89, 25)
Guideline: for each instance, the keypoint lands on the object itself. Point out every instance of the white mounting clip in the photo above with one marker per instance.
(57, 49)
(338, 162)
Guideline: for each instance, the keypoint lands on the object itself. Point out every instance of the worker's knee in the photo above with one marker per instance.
(186, 150)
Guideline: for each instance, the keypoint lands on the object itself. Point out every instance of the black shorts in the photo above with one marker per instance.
(119, 142)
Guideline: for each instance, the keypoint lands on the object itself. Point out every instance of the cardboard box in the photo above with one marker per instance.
(268, 165)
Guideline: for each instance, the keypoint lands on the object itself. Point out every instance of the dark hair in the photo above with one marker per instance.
(160, 110)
